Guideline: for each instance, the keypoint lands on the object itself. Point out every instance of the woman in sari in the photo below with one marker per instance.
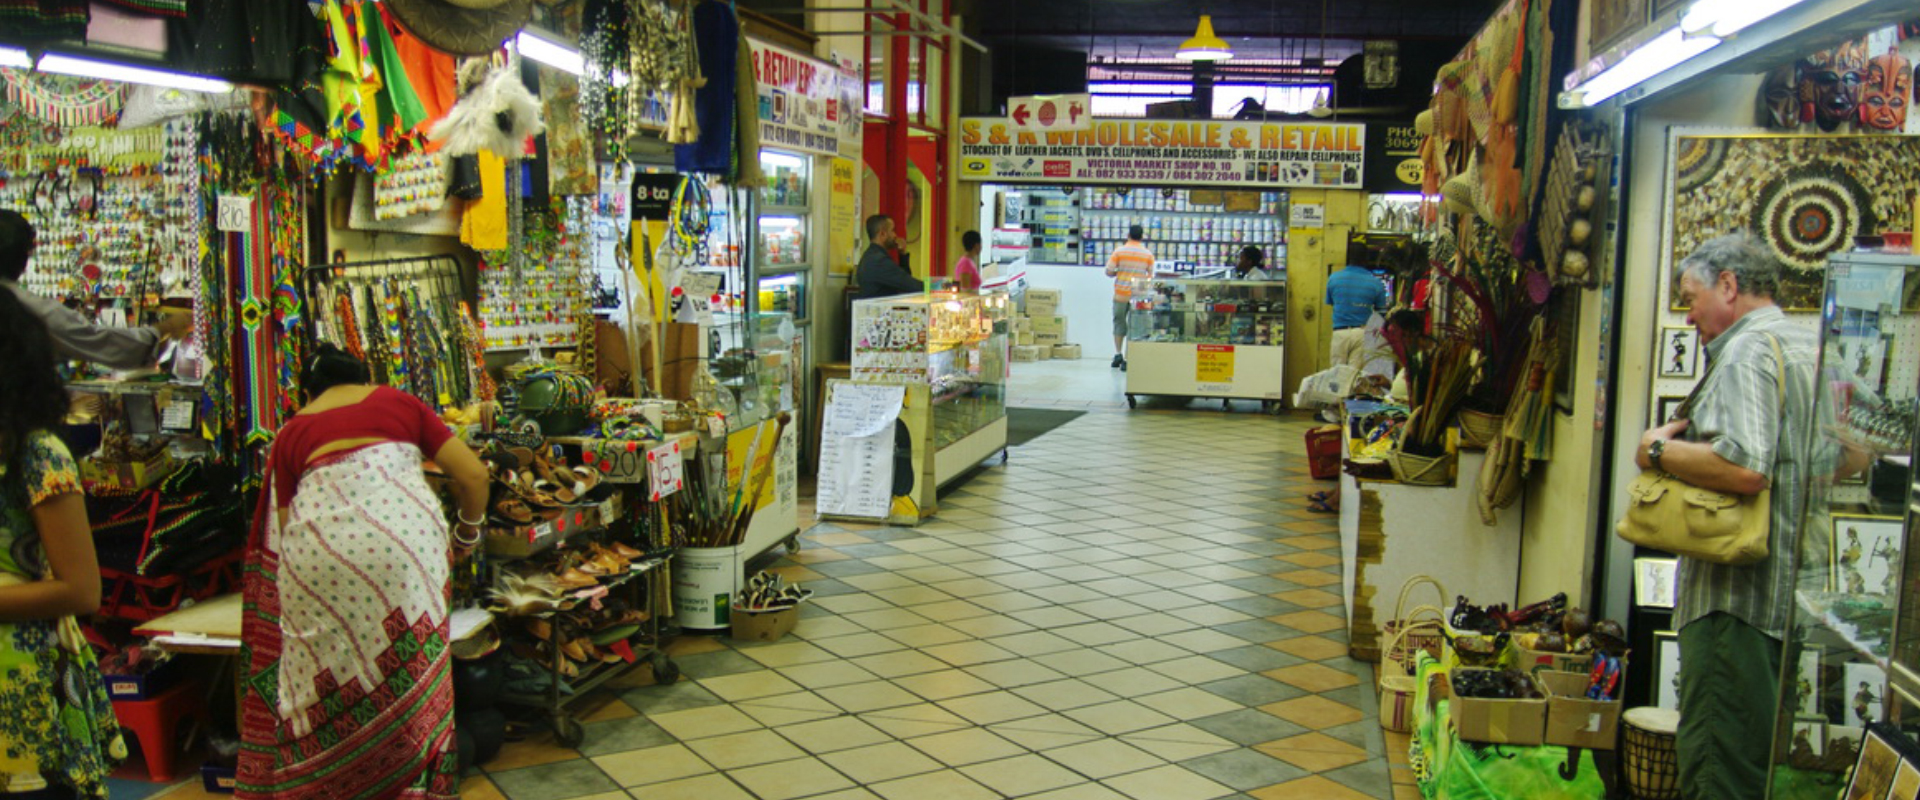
(345, 635)
(58, 735)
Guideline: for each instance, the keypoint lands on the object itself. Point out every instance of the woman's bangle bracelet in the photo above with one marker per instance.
(474, 522)
(466, 541)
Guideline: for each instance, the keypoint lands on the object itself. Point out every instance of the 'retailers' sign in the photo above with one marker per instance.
(804, 105)
(1306, 154)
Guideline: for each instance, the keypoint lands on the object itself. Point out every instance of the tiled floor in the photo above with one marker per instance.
(1136, 606)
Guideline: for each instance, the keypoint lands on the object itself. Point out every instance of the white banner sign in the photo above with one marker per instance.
(806, 104)
(1305, 154)
(1058, 112)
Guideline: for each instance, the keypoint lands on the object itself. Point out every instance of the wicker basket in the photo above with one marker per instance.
(1421, 470)
(1478, 429)
(1409, 632)
(1397, 690)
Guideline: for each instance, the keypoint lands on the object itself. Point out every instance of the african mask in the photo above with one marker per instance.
(1885, 91)
(1830, 84)
(1779, 102)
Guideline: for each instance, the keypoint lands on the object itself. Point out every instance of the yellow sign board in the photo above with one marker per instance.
(843, 212)
(1213, 363)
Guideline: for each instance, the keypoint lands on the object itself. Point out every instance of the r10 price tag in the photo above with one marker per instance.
(235, 213)
(665, 470)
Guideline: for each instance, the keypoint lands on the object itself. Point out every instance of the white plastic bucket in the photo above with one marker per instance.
(704, 578)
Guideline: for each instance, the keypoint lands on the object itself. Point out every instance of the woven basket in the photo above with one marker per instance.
(1425, 622)
(1478, 429)
(1421, 470)
(1397, 691)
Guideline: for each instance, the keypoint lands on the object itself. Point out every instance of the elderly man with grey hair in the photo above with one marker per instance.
(1743, 429)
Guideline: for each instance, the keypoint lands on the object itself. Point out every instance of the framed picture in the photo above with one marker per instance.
(1809, 737)
(1665, 407)
(1906, 782)
(1860, 350)
(1806, 686)
(1666, 682)
(1866, 693)
(1865, 553)
(1679, 352)
(1873, 773)
(1655, 582)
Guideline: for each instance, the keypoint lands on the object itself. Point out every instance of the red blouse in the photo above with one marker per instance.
(387, 413)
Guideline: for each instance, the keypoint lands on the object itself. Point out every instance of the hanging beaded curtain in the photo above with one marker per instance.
(405, 317)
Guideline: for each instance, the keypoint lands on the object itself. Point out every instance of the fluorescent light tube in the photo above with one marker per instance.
(550, 53)
(1728, 17)
(89, 68)
(1659, 55)
(15, 57)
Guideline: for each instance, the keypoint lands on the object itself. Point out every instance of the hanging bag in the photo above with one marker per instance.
(1667, 513)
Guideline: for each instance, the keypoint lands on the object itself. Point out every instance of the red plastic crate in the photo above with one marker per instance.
(1323, 452)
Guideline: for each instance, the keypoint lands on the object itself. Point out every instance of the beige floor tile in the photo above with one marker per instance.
(951, 610)
(700, 723)
(694, 645)
(945, 784)
(652, 765)
(1313, 786)
(784, 780)
(928, 635)
(1313, 677)
(858, 645)
(837, 733)
(943, 685)
(870, 696)
(852, 602)
(1313, 559)
(533, 751)
(899, 662)
(712, 786)
(1170, 782)
(744, 749)
(1034, 643)
(912, 728)
(826, 674)
(1196, 670)
(1015, 672)
(788, 654)
(472, 787)
(1202, 641)
(858, 793)
(1314, 712)
(886, 619)
(1188, 703)
(992, 707)
(966, 746)
(824, 627)
(910, 594)
(839, 539)
(1310, 621)
(1084, 791)
(1317, 648)
(881, 762)
(1133, 682)
(1065, 694)
(749, 685)
(1308, 577)
(1021, 775)
(791, 709)
(962, 654)
(1103, 758)
(1119, 716)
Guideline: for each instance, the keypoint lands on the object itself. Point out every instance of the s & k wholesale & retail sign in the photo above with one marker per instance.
(1327, 155)
(806, 104)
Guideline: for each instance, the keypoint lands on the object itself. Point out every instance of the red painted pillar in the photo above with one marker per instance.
(893, 179)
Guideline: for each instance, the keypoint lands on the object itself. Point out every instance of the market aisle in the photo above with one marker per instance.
(1137, 606)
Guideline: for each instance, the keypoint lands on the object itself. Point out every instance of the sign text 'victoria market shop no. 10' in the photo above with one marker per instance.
(1306, 154)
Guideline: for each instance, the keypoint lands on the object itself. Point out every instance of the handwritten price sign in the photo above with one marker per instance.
(665, 470)
(235, 213)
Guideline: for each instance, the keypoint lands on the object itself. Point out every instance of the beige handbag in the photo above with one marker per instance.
(1667, 513)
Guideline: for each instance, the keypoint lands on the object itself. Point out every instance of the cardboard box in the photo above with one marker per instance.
(764, 626)
(1023, 324)
(1525, 660)
(1023, 337)
(1025, 352)
(1498, 721)
(1066, 352)
(1048, 340)
(1575, 721)
(1043, 297)
(127, 475)
(1049, 324)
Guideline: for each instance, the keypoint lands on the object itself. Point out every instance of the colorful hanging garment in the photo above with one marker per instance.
(288, 203)
(252, 256)
(68, 102)
(400, 108)
(484, 226)
(32, 20)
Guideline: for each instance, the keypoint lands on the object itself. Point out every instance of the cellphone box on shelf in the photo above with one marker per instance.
(1025, 352)
(1572, 719)
(1493, 721)
(1066, 352)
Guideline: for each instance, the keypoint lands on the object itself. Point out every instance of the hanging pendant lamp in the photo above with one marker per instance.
(1204, 46)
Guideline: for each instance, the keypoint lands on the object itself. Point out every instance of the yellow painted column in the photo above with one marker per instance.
(1312, 255)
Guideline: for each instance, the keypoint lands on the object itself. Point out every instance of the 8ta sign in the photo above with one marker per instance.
(1052, 112)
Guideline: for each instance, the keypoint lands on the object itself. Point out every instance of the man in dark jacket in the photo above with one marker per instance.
(878, 274)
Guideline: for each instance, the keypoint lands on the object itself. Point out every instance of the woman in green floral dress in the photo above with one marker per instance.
(58, 735)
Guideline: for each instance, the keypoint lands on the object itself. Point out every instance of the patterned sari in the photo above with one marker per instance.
(345, 637)
(56, 723)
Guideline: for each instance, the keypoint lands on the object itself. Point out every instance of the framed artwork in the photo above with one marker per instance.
(1666, 681)
(1610, 19)
(1665, 407)
(1866, 692)
(1679, 355)
(1860, 351)
(1809, 737)
(1655, 582)
(1865, 553)
(1873, 773)
(1806, 686)
(1906, 782)
(1805, 197)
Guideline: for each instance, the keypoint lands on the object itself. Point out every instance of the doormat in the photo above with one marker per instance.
(1024, 424)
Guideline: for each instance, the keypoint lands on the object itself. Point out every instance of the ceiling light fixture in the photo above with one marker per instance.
(1321, 109)
(1660, 54)
(550, 53)
(1204, 46)
(15, 57)
(1727, 17)
(125, 73)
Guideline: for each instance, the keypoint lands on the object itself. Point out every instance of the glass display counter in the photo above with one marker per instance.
(954, 344)
(1208, 338)
(1853, 650)
(757, 367)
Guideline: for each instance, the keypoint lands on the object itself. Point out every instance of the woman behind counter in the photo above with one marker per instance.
(58, 735)
(346, 597)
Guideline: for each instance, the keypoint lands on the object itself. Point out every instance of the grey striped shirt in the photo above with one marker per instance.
(1737, 410)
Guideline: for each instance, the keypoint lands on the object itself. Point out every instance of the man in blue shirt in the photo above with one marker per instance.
(1355, 294)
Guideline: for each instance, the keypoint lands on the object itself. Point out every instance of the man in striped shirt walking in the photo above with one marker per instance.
(1130, 267)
